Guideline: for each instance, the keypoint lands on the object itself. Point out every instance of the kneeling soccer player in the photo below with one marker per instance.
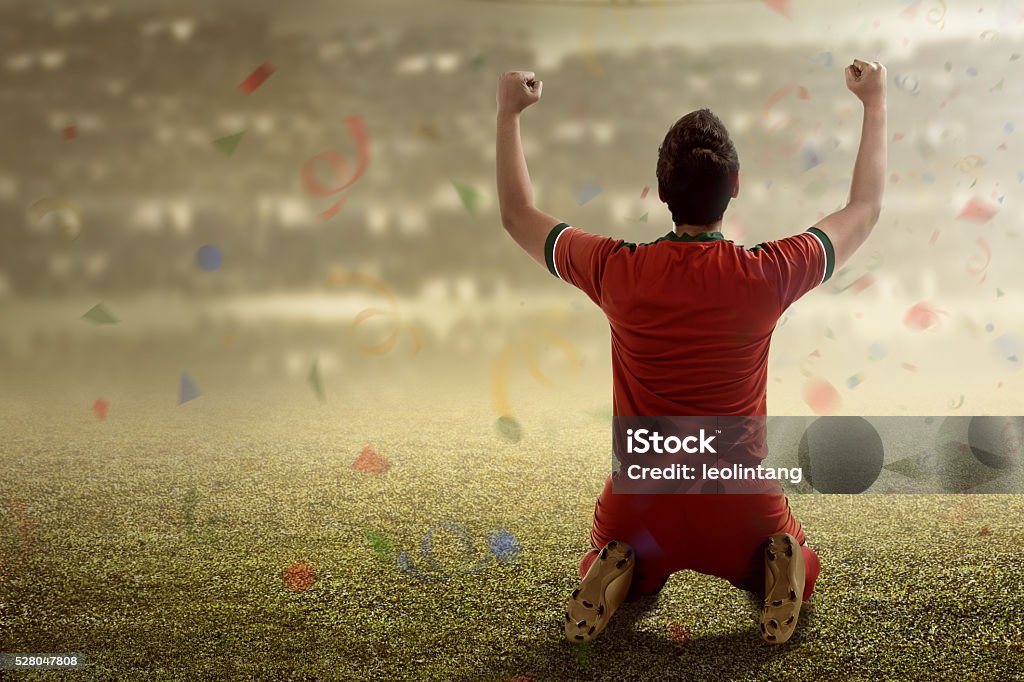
(691, 317)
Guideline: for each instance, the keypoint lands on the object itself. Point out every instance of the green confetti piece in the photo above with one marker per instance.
(381, 543)
(469, 196)
(582, 652)
(643, 218)
(478, 61)
(316, 380)
(228, 145)
(100, 314)
(509, 428)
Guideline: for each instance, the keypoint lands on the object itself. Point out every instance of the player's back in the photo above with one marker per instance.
(691, 316)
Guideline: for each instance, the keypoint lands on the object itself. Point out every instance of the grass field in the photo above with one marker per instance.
(156, 543)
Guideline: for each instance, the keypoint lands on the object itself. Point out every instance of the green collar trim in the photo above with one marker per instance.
(699, 237)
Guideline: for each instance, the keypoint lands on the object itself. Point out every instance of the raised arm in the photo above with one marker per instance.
(528, 226)
(849, 227)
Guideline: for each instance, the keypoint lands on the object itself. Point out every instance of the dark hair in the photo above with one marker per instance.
(697, 168)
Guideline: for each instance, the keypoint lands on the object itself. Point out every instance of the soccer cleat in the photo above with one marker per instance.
(784, 577)
(600, 593)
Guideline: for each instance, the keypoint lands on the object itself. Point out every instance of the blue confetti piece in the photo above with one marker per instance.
(504, 545)
(928, 177)
(586, 191)
(1020, 176)
(1009, 127)
(854, 381)
(189, 390)
(972, 72)
(209, 257)
(878, 350)
(823, 58)
(1007, 351)
(811, 158)
(990, 327)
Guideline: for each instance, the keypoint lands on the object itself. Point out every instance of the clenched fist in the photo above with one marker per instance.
(867, 81)
(517, 90)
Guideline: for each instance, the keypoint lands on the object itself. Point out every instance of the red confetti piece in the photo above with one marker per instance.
(977, 211)
(922, 316)
(780, 6)
(984, 531)
(896, 137)
(643, 195)
(821, 396)
(978, 263)
(256, 78)
(299, 577)
(315, 187)
(935, 237)
(910, 13)
(679, 633)
(370, 462)
(70, 133)
(909, 367)
(1002, 147)
(862, 283)
(802, 92)
(99, 408)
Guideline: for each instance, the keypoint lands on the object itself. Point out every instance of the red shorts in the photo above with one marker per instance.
(720, 535)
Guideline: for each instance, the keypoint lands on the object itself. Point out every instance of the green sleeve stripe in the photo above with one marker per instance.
(830, 252)
(549, 247)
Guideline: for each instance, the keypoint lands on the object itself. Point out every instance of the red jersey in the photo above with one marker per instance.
(691, 317)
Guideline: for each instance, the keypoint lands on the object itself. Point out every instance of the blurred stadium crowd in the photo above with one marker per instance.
(147, 94)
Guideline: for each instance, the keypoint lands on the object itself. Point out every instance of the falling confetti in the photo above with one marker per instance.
(978, 263)
(811, 158)
(642, 219)
(780, 6)
(316, 381)
(469, 196)
(586, 191)
(503, 545)
(582, 652)
(679, 633)
(359, 134)
(1007, 351)
(209, 257)
(509, 428)
(338, 277)
(823, 58)
(877, 350)
(256, 78)
(908, 84)
(100, 314)
(855, 381)
(643, 195)
(478, 61)
(99, 408)
(984, 531)
(370, 462)
(228, 144)
(68, 219)
(977, 211)
(70, 133)
(922, 316)
(821, 396)
(299, 577)
(382, 544)
(954, 405)
(188, 389)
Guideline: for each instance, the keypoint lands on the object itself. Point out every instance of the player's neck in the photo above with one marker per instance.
(694, 230)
